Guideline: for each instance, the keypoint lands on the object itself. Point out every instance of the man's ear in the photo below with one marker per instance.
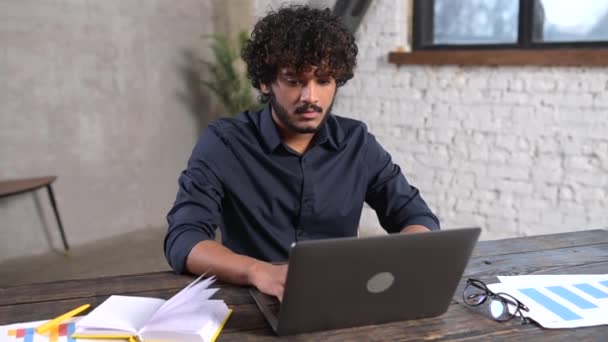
(265, 88)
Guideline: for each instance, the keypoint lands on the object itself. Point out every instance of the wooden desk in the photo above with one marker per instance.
(18, 186)
(579, 252)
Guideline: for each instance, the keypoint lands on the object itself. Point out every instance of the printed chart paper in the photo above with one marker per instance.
(560, 301)
(26, 332)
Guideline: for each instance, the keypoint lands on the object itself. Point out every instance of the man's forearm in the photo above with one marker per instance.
(213, 258)
(415, 228)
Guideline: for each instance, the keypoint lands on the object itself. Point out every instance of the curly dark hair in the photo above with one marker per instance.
(299, 37)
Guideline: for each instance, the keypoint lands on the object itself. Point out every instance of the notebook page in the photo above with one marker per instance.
(197, 290)
(120, 313)
(202, 318)
(216, 314)
(188, 304)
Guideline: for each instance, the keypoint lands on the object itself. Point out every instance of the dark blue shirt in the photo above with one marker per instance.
(264, 196)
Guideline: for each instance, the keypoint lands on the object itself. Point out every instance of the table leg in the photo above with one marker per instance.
(54, 204)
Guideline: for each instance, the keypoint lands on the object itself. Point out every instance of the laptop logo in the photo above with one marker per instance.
(380, 282)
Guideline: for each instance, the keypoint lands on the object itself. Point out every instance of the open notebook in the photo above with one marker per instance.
(188, 316)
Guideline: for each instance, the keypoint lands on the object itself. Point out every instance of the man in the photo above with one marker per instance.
(293, 171)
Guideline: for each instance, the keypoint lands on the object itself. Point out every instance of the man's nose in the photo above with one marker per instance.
(309, 93)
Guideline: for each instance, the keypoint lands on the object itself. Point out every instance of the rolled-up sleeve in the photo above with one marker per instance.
(396, 202)
(197, 208)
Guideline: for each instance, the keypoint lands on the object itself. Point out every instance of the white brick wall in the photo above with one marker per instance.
(515, 150)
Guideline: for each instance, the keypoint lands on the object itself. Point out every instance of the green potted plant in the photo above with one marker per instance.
(228, 74)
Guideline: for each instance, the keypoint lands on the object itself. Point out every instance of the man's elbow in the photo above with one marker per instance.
(415, 228)
(179, 243)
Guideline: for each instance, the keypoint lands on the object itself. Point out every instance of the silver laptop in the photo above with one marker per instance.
(346, 282)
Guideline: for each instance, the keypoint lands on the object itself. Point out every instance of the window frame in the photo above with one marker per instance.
(423, 20)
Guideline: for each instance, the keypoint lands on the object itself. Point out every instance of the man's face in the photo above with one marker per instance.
(301, 101)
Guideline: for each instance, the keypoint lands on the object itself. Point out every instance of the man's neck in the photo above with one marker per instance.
(300, 143)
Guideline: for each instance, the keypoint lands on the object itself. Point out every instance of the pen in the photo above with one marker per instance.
(130, 338)
(56, 321)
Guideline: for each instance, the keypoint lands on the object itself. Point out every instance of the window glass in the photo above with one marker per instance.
(570, 21)
(458, 22)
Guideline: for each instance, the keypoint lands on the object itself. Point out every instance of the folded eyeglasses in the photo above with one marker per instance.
(503, 307)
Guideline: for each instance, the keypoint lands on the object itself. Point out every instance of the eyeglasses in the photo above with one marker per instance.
(503, 307)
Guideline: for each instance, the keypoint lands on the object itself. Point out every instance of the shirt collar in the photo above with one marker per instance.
(269, 130)
(330, 133)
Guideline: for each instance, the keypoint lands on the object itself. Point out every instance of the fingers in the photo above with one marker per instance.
(279, 277)
(280, 294)
(270, 279)
(274, 289)
(282, 269)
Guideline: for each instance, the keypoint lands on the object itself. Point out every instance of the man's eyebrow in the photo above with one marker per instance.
(288, 72)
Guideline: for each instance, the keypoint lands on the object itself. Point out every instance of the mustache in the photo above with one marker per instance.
(308, 107)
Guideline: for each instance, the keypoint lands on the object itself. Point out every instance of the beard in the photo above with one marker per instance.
(291, 124)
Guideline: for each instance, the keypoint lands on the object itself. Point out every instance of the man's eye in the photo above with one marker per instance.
(324, 81)
(292, 82)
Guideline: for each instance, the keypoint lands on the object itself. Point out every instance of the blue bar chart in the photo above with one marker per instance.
(560, 301)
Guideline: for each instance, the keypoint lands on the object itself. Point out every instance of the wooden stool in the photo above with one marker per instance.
(18, 186)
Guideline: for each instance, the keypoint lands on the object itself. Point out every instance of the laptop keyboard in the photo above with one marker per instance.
(272, 303)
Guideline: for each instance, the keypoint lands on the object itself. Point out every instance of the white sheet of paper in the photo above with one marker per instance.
(560, 301)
